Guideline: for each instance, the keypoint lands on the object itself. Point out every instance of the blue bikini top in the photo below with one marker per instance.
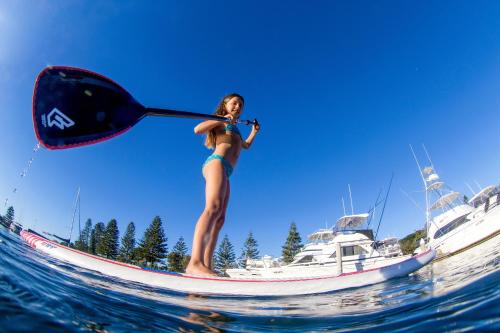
(227, 138)
(232, 128)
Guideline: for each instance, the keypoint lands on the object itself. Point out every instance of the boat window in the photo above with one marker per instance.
(451, 226)
(355, 250)
(305, 259)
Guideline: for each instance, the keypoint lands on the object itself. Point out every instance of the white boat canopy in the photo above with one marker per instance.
(435, 186)
(432, 178)
(321, 235)
(484, 193)
(428, 170)
(445, 200)
(352, 221)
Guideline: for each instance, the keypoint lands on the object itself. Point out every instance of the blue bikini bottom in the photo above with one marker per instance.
(228, 168)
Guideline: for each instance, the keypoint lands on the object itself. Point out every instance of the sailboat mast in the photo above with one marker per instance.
(79, 216)
(74, 213)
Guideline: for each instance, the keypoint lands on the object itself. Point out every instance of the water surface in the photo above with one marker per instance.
(39, 293)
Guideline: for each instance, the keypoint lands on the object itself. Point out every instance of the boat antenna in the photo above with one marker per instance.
(411, 199)
(74, 213)
(372, 210)
(381, 215)
(470, 188)
(427, 212)
(477, 184)
(343, 205)
(428, 156)
(350, 197)
(383, 207)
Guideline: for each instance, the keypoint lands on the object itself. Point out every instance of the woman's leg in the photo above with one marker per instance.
(214, 233)
(215, 192)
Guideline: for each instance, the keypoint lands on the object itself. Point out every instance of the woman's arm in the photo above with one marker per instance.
(206, 126)
(255, 129)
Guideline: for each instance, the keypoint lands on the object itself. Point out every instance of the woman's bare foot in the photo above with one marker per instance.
(199, 269)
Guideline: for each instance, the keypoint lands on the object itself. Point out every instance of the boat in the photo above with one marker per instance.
(454, 224)
(389, 247)
(347, 242)
(222, 286)
(16, 227)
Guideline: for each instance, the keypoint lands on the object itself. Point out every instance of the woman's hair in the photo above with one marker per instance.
(220, 111)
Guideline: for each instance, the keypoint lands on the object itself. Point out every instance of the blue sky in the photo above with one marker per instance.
(341, 89)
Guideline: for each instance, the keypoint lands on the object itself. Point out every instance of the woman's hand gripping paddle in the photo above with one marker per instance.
(74, 107)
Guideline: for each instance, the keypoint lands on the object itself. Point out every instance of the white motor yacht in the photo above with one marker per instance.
(347, 241)
(454, 224)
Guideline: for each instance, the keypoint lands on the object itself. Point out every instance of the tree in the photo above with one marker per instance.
(9, 216)
(83, 243)
(153, 247)
(225, 257)
(176, 258)
(185, 262)
(86, 234)
(96, 238)
(292, 245)
(410, 242)
(109, 242)
(128, 244)
(250, 250)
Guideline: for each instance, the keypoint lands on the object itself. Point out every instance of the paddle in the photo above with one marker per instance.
(75, 107)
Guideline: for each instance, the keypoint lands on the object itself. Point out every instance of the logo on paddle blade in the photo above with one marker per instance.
(57, 118)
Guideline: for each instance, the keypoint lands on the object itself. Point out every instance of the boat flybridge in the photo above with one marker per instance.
(454, 224)
(347, 243)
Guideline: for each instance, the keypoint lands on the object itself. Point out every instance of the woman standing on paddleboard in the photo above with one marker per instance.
(227, 142)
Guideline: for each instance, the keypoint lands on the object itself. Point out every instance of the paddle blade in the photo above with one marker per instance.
(73, 107)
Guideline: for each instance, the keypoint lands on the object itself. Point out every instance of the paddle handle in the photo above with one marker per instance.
(193, 115)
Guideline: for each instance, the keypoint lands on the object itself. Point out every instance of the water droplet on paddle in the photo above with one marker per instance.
(100, 116)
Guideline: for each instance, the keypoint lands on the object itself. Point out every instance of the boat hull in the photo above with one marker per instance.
(481, 227)
(227, 286)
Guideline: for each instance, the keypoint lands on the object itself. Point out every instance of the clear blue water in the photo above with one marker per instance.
(38, 293)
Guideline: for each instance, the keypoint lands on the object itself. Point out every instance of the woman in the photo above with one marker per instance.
(227, 143)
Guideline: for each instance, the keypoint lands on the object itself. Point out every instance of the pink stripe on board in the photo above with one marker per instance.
(216, 279)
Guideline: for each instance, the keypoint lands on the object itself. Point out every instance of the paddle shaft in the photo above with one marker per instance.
(193, 115)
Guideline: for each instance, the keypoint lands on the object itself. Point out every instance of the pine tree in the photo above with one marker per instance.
(96, 238)
(249, 251)
(86, 234)
(153, 247)
(177, 257)
(128, 244)
(110, 240)
(225, 257)
(9, 216)
(83, 242)
(185, 262)
(292, 245)
(78, 244)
